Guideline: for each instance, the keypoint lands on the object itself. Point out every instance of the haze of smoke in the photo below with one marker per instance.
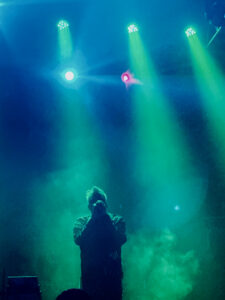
(154, 269)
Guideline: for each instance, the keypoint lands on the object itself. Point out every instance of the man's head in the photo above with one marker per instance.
(97, 201)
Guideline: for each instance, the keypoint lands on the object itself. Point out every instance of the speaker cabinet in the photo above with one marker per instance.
(23, 288)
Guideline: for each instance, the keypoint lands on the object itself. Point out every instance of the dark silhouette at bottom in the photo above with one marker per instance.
(73, 294)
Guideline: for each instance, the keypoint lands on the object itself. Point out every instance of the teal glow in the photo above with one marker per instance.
(177, 208)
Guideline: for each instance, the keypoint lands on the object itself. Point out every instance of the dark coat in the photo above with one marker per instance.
(100, 242)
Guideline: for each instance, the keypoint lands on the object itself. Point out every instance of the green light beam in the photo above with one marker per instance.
(158, 130)
(211, 82)
(164, 162)
(65, 40)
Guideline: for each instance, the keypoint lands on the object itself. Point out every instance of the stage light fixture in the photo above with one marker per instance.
(128, 78)
(190, 32)
(62, 25)
(132, 28)
(70, 75)
(125, 77)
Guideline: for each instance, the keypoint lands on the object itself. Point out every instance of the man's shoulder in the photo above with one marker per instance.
(120, 225)
(81, 221)
(78, 228)
(116, 219)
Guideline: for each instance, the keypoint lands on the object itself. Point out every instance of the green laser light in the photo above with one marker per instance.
(62, 25)
(190, 32)
(132, 28)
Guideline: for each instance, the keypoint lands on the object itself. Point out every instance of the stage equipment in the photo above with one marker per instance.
(132, 28)
(69, 76)
(62, 25)
(190, 32)
(23, 288)
(126, 77)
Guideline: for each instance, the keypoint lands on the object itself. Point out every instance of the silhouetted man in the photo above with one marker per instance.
(100, 237)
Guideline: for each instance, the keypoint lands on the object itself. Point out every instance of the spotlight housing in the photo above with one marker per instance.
(132, 28)
(63, 24)
(69, 75)
(126, 77)
(190, 32)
